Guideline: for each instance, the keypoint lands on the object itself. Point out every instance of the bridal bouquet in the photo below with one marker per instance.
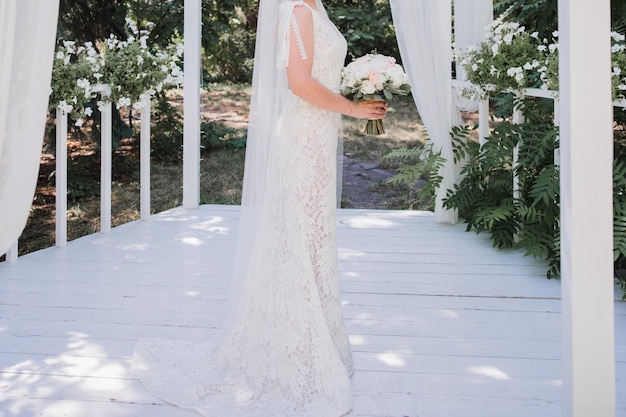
(374, 77)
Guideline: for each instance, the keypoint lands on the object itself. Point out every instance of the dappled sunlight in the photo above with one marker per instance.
(178, 214)
(193, 241)
(350, 254)
(406, 214)
(24, 372)
(194, 294)
(350, 274)
(490, 371)
(366, 222)
(357, 340)
(83, 370)
(212, 225)
(393, 359)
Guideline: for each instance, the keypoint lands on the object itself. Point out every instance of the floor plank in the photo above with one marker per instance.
(440, 323)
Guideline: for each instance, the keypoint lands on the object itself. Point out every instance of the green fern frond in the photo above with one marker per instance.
(546, 187)
(619, 231)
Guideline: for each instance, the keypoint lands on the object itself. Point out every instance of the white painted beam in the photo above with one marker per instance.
(191, 108)
(586, 209)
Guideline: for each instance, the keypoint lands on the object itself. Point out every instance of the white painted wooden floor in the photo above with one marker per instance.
(441, 324)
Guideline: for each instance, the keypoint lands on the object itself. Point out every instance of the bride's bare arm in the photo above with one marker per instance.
(308, 88)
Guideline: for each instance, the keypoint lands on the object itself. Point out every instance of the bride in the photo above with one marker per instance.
(285, 351)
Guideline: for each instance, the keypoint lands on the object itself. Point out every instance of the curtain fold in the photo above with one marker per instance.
(471, 18)
(27, 38)
(424, 31)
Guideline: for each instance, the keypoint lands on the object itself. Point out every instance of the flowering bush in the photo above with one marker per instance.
(374, 77)
(510, 59)
(618, 78)
(129, 68)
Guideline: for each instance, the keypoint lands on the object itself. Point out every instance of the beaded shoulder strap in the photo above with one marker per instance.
(286, 23)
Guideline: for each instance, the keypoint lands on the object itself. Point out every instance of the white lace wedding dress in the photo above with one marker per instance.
(287, 353)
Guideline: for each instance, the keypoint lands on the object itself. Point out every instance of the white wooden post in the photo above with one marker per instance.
(191, 107)
(586, 209)
(60, 182)
(518, 119)
(144, 155)
(483, 121)
(557, 123)
(106, 150)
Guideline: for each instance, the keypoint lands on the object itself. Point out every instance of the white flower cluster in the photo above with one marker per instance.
(509, 59)
(619, 65)
(374, 76)
(503, 32)
(132, 71)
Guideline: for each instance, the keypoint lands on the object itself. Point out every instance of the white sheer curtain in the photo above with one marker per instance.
(424, 31)
(27, 37)
(470, 19)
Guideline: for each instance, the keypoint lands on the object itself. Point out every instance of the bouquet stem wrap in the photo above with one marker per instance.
(374, 127)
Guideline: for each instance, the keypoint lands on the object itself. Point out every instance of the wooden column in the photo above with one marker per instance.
(586, 209)
(191, 108)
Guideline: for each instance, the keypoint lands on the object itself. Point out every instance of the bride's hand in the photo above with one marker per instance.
(369, 109)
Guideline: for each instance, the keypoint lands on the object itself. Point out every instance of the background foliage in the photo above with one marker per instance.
(229, 27)
(484, 197)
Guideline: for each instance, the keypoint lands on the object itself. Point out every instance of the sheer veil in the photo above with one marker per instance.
(269, 89)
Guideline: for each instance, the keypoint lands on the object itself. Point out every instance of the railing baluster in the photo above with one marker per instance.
(557, 123)
(518, 118)
(483, 121)
(60, 182)
(145, 159)
(106, 150)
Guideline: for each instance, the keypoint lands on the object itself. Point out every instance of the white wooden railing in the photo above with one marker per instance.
(191, 141)
(106, 150)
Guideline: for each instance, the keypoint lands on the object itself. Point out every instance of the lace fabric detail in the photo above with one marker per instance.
(287, 353)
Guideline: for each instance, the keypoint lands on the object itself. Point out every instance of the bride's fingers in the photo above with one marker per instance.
(372, 109)
(379, 108)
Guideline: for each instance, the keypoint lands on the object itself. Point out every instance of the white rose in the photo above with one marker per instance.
(368, 87)
(397, 76)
